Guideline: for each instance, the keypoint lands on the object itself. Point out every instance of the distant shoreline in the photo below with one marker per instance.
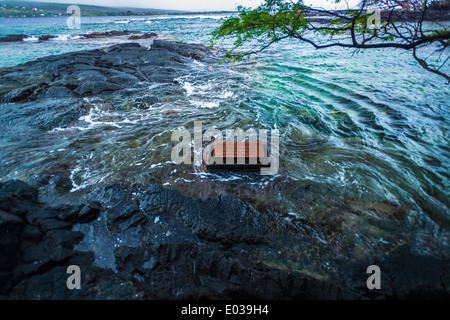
(22, 9)
(320, 17)
(119, 14)
(25, 9)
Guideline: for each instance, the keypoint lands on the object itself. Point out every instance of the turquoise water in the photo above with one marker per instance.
(181, 28)
(366, 130)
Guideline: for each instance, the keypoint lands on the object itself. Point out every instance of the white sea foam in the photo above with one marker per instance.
(92, 122)
(189, 88)
(226, 94)
(201, 16)
(86, 177)
(123, 21)
(202, 89)
(32, 38)
(198, 63)
(65, 37)
(75, 186)
(61, 37)
(205, 104)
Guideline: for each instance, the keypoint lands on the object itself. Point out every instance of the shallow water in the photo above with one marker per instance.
(369, 130)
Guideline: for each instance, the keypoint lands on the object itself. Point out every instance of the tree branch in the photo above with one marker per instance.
(427, 67)
(281, 19)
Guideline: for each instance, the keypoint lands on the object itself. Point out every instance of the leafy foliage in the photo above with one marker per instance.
(269, 23)
(399, 25)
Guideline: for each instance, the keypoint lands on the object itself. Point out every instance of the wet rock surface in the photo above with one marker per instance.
(144, 241)
(51, 92)
(188, 249)
(13, 38)
(97, 71)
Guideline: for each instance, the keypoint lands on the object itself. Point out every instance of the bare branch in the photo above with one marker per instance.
(427, 67)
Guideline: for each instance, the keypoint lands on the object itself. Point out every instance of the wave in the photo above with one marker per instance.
(201, 16)
(123, 21)
(31, 38)
(65, 37)
(175, 17)
(58, 37)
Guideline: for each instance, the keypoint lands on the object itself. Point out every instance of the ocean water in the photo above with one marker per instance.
(367, 129)
(181, 28)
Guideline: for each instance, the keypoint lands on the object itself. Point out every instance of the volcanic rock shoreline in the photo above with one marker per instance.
(184, 248)
(132, 35)
(210, 253)
(80, 74)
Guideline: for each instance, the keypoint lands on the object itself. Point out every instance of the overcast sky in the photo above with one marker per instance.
(187, 5)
